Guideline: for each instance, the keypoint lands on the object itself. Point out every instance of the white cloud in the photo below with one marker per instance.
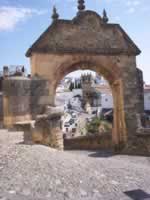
(11, 16)
(132, 5)
(131, 10)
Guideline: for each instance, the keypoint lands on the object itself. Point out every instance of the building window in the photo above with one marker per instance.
(73, 130)
(106, 100)
(66, 129)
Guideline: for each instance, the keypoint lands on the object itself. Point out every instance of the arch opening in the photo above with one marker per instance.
(109, 67)
(105, 114)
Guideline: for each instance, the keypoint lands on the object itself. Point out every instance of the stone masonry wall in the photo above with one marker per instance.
(89, 142)
(140, 91)
(131, 96)
(16, 98)
(39, 96)
(23, 98)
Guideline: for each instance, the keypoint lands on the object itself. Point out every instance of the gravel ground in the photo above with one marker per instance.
(35, 172)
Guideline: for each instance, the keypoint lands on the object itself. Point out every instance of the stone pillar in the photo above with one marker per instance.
(137, 143)
(119, 135)
(130, 98)
(47, 130)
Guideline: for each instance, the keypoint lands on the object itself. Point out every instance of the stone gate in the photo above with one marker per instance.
(88, 41)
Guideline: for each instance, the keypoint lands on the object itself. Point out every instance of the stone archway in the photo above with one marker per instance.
(115, 71)
(103, 66)
(89, 42)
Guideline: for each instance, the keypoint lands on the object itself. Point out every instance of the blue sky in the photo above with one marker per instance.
(22, 21)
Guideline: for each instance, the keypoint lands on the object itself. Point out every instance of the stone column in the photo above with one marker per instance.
(133, 107)
(119, 135)
(130, 97)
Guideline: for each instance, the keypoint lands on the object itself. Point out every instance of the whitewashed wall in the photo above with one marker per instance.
(107, 101)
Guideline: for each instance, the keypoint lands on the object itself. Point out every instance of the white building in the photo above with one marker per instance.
(77, 92)
(69, 124)
(107, 98)
(107, 101)
(106, 95)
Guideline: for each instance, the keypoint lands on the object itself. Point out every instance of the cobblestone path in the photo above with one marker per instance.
(35, 172)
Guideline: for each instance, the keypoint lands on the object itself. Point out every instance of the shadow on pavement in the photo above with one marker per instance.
(93, 153)
(101, 154)
(138, 194)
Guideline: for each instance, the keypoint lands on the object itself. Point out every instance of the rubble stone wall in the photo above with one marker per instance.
(89, 142)
(47, 131)
(23, 98)
(39, 96)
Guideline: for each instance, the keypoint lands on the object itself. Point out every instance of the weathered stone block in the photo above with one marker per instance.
(47, 129)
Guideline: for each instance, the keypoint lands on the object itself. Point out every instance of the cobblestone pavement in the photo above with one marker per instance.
(35, 172)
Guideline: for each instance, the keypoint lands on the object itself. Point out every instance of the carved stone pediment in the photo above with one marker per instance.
(86, 33)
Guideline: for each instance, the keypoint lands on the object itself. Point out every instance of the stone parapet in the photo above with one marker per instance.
(92, 142)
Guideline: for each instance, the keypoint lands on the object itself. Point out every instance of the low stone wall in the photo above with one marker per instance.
(139, 146)
(93, 142)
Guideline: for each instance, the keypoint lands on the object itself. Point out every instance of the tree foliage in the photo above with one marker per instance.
(97, 126)
(93, 126)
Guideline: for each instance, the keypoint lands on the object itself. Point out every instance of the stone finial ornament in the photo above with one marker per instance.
(105, 17)
(55, 15)
(81, 5)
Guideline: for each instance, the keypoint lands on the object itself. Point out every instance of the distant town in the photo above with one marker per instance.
(85, 98)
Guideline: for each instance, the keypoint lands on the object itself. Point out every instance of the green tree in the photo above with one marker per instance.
(97, 126)
(93, 126)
